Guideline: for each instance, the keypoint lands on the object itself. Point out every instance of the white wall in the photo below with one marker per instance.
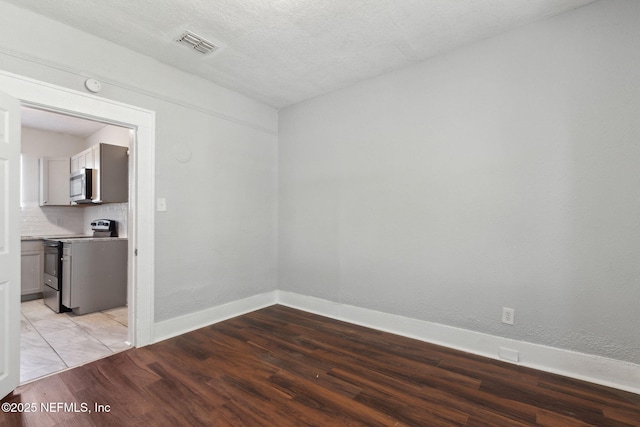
(505, 173)
(50, 220)
(36, 144)
(215, 159)
(114, 135)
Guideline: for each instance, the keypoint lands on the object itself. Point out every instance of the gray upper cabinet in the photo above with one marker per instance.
(54, 181)
(111, 163)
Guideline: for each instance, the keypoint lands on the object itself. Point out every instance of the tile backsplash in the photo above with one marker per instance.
(64, 220)
(116, 211)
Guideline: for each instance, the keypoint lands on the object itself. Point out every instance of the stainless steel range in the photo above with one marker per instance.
(104, 228)
(53, 275)
(57, 264)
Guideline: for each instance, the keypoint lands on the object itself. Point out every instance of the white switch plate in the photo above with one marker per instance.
(161, 204)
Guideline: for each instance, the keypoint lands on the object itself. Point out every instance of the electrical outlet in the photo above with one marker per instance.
(509, 354)
(508, 315)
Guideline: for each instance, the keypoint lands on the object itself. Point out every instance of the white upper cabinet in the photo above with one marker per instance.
(89, 158)
(54, 181)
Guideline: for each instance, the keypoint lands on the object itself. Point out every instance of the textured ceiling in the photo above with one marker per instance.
(284, 51)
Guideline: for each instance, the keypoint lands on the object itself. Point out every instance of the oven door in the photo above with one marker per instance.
(52, 258)
(52, 270)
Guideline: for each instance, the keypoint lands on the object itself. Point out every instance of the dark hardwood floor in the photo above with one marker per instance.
(283, 367)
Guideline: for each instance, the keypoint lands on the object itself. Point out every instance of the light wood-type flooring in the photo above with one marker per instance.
(283, 367)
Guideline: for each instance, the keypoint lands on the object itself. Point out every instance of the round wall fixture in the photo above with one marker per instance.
(93, 85)
(182, 153)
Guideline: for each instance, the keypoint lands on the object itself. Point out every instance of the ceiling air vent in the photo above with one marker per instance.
(197, 43)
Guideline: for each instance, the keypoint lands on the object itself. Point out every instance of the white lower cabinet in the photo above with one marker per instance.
(31, 266)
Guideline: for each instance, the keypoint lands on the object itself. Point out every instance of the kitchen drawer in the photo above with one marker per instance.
(51, 281)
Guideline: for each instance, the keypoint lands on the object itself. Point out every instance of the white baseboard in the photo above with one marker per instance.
(595, 369)
(192, 321)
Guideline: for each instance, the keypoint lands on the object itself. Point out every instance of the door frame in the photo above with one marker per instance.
(141, 215)
(10, 244)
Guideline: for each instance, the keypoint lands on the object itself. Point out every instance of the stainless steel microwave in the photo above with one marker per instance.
(82, 185)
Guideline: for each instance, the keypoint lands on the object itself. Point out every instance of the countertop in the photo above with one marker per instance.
(90, 239)
(71, 238)
(57, 237)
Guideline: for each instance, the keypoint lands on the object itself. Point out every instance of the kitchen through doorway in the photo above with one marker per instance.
(16, 90)
(53, 146)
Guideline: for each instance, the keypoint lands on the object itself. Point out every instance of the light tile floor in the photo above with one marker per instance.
(51, 342)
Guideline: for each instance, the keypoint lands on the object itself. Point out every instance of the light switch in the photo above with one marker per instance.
(161, 204)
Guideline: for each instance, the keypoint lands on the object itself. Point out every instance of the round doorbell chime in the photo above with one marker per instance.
(93, 85)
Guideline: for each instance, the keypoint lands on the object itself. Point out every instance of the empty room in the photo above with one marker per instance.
(371, 212)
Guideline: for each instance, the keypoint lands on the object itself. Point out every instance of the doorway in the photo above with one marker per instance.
(53, 340)
(42, 95)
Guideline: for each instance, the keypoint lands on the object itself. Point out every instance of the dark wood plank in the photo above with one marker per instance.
(285, 367)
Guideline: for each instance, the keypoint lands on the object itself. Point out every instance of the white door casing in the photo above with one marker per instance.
(9, 243)
(141, 220)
